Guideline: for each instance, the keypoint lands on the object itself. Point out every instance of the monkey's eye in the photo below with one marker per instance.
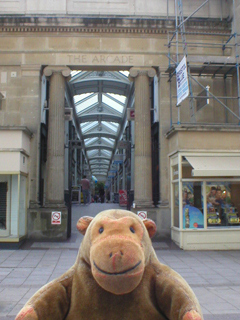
(100, 230)
(132, 230)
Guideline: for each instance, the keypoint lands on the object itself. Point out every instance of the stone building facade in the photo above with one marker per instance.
(43, 41)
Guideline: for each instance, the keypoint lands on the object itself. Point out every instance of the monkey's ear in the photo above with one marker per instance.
(151, 227)
(83, 224)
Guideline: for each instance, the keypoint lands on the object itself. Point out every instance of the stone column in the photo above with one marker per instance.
(143, 152)
(28, 105)
(55, 143)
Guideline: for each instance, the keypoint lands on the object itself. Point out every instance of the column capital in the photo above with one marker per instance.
(142, 71)
(49, 70)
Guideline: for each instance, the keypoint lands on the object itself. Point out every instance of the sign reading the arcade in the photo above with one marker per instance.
(101, 59)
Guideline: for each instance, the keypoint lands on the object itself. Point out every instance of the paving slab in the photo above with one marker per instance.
(214, 276)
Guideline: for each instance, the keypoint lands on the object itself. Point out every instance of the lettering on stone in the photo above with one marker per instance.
(100, 59)
(77, 58)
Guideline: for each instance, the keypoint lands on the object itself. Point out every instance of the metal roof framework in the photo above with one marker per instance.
(100, 100)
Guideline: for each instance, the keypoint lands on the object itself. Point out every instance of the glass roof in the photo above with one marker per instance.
(86, 126)
(113, 103)
(86, 103)
(100, 101)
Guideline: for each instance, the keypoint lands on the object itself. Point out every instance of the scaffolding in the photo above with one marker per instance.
(203, 67)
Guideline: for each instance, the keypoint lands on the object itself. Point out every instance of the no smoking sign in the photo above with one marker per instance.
(56, 217)
(142, 214)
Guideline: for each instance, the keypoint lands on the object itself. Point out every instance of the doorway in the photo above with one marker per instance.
(4, 205)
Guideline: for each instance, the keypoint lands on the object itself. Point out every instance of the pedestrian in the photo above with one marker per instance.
(101, 194)
(85, 189)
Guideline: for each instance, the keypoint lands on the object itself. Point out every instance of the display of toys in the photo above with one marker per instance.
(232, 216)
(213, 218)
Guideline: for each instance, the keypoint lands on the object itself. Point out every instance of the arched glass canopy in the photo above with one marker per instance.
(99, 100)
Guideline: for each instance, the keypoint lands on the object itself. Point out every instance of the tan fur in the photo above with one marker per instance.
(116, 276)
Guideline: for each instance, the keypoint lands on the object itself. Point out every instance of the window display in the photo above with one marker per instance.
(192, 205)
(222, 203)
(205, 202)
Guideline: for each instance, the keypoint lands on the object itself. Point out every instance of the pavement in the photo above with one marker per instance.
(214, 276)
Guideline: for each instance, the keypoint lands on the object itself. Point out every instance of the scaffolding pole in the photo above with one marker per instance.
(236, 54)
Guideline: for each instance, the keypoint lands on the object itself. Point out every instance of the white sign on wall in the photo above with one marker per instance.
(182, 81)
(142, 214)
(56, 217)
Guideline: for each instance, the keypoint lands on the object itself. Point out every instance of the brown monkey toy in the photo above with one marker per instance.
(116, 276)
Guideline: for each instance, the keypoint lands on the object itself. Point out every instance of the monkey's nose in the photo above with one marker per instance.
(119, 253)
(116, 259)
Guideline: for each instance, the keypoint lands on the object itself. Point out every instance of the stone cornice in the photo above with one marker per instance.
(201, 128)
(108, 25)
(21, 150)
(17, 128)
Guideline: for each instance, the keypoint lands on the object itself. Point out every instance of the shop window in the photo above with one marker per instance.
(223, 204)
(193, 216)
(176, 205)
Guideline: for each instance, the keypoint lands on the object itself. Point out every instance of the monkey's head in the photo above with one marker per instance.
(117, 246)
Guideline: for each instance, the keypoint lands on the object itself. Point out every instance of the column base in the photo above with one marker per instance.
(151, 212)
(54, 204)
(41, 227)
(141, 204)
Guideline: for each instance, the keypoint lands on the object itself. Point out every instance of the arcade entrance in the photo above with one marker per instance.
(100, 138)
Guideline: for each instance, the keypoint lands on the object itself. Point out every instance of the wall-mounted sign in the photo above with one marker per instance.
(56, 217)
(142, 214)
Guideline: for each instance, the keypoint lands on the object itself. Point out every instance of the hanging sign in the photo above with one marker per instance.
(182, 81)
(130, 114)
(56, 217)
(123, 144)
(118, 159)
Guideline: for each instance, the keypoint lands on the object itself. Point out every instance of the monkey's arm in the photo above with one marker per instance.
(50, 302)
(175, 297)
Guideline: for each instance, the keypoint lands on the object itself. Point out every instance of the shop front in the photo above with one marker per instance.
(205, 197)
(14, 154)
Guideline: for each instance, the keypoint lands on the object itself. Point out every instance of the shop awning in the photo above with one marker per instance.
(214, 166)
